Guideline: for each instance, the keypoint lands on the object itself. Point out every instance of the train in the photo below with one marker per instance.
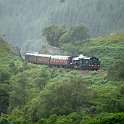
(80, 62)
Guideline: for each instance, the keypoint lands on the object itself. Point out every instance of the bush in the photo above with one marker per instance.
(112, 119)
(116, 70)
(3, 120)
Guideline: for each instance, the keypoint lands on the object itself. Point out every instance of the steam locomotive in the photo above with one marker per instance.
(73, 62)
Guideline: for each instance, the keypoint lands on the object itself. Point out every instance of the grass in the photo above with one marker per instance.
(110, 40)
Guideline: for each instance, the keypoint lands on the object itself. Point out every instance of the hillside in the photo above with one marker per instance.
(37, 94)
(10, 62)
(8, 55)
(41, 94)
(108, 48)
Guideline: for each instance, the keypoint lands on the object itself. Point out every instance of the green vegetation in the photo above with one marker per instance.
(108, 49)
(110, 119)
(57, 35)
(37, 94)
(76, 41)
(77, 33)
(50, 95)
(53, 34)
(8, 57)
(9, 65)
(116, 70)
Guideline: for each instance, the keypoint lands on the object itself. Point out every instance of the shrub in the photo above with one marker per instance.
(116, 70)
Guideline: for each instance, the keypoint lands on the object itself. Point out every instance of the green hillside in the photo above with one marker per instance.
(108, 48)
(10, 64)
(110, 40)
(37, 94)
(8, 55)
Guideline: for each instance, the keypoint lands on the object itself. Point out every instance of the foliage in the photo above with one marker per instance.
(56, 94)
(9, 60)
(3, 120)
(36, 94)
(116, 70)
(24, 20)
(7, 69)
(63, 97)
(108, 48)
(53, 33)
(71, 49)
(115, 103)
(4, 101)
(111, 119)
(76, 34)
(73, 118)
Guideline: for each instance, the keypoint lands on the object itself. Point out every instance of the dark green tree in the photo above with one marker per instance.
(13, 67)
(4, 101)
(63, 97)
(115, 102)
(79, 33)
(76, 34)
(3, 120)
(116, 70)
(53, 33)
(18, 93)
(4, 75)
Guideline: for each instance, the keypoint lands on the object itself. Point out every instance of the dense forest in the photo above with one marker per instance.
(21, 22)
(39, 94)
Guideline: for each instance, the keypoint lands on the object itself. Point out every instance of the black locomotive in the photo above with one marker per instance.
(77, 62)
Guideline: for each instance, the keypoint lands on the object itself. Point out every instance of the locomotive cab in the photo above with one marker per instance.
(94, 64)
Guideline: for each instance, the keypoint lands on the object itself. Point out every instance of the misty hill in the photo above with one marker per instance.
(22, 20)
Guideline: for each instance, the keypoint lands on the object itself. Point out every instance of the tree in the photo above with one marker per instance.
(79, 33)
(116, 70)
(76, 34)
(4, 76)
(65, 38)
(53, 33)
(3, 120)
(115, 102)
(4, 96)
(18, 93)
(13, 67)
(4, 101)
(63, 97)
(117, 118)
